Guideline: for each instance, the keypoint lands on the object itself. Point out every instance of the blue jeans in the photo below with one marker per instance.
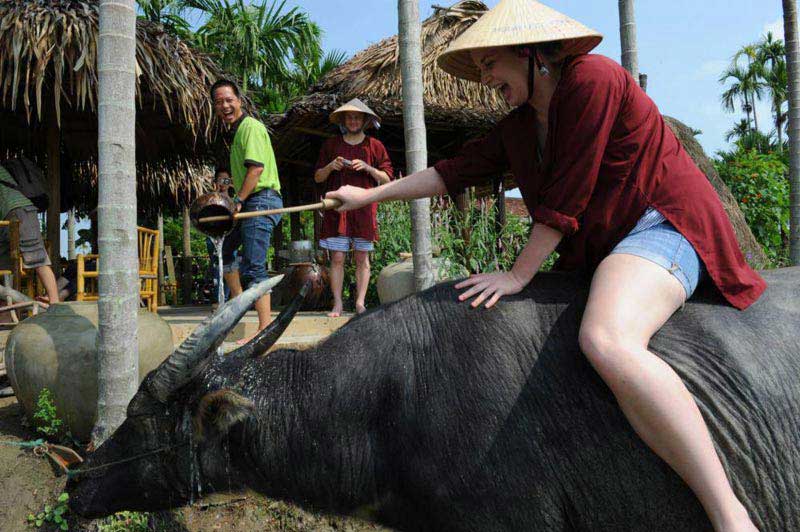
(256, 235)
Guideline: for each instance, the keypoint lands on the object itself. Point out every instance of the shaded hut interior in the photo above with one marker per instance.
(48, 105)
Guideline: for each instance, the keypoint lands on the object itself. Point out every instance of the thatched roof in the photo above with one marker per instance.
(455, 110)
(375, 72)
(48, 76)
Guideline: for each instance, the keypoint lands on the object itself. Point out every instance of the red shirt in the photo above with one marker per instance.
(361, 222)
(609, 156)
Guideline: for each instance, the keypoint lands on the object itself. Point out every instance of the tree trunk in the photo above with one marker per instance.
(117, 346)
(627, 38)
(71, 234)
(793, 129)
(414, 129)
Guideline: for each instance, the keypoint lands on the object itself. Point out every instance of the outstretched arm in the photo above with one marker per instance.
(422, 184)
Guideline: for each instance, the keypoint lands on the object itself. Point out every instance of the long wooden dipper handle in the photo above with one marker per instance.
(323, 205)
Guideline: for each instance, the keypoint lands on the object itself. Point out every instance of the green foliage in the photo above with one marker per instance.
(45, 417)
(52, 515)
(473, 240)
(465, 243)
(125, 522)
(758, 182)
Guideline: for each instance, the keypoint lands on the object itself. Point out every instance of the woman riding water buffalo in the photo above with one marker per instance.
(607, 182)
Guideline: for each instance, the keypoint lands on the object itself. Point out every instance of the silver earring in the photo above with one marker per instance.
(543, 70)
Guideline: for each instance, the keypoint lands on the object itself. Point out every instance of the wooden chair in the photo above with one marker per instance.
(148, 267)
(148, 271)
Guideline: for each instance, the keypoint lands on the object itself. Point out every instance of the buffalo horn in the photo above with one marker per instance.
(176, 370)
(269, 335)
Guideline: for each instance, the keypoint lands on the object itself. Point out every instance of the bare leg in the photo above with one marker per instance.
(362, 279)
(630, 299)
(233, 282)
(337, 280)
(48, 279)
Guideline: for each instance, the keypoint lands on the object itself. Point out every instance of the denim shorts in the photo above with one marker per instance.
(345, 243)
(662, 244)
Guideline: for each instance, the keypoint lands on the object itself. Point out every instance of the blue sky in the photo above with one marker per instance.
(684, 45)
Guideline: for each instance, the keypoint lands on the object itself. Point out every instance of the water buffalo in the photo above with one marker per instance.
(438, 416)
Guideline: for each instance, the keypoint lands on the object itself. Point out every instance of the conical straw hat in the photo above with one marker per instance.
(337, 117)
(511, 23)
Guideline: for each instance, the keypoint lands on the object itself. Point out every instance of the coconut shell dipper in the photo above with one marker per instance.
(214, 214)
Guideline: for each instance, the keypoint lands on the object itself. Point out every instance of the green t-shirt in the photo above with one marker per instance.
(251, 145)
(10, 199)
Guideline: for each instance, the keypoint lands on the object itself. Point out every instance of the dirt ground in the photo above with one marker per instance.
(28, 482)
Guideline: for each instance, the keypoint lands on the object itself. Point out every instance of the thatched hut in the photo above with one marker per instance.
(48, 99)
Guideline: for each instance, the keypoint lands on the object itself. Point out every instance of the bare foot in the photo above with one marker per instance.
(336, 311)
(360, 309)
(248, 338)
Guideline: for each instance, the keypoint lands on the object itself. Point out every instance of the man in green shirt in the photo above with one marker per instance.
(255, 180)
(15, 206)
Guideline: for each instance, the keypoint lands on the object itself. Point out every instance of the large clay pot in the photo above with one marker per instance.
(319, 296)
(57, 350)
(396, 280)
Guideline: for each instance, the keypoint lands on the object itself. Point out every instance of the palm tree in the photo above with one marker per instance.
(753, 72)
(745, 88)
(627, 34)
(740, 130)
(409, 35)
(771, 56)
(793, 69)
(117, 346)
(168, 13)
(254, 41)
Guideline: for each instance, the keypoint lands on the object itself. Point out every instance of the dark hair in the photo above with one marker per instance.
(221, 170)
(549, 49)
(224, 83)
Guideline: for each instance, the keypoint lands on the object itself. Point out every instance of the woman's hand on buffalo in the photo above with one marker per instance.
(350, 196)
(490, 285)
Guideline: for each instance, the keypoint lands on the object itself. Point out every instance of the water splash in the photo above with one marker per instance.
(195, 483)
(217, 241)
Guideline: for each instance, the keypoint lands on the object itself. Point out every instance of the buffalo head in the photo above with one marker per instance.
(176, 421)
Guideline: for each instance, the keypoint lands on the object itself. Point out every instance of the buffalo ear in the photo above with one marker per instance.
(218, 411)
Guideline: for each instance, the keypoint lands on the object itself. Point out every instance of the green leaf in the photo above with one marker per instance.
(64, 497)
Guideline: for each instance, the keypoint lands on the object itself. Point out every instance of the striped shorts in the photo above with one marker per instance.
(345, 243)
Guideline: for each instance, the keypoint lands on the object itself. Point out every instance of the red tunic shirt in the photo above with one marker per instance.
(361, 222)
(609, 156)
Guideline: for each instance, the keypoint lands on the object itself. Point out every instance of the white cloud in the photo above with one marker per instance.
(775, 27)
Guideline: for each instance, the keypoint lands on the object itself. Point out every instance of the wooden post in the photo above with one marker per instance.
(54, 182)
(71, 234)
(162, 299)
(186, 281)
